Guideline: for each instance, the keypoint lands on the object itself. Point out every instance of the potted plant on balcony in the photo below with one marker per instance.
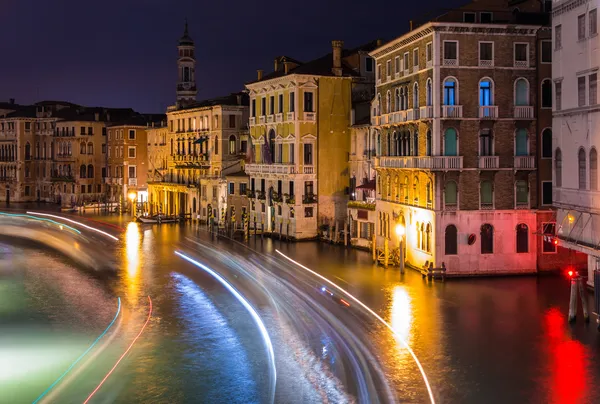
(310, 198)
(261, 195)
(290, 200)
(276, 197)
(250, 193)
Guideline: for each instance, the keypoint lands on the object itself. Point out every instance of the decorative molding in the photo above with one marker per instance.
(566, 6)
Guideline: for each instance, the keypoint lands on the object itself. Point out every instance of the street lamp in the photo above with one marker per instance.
(132, 196)
(400, 233)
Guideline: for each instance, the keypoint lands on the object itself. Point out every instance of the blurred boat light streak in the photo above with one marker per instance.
(75, 222)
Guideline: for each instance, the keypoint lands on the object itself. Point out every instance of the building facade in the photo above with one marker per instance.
(575, 140)
(300, 137)
(457, 138)
(238, 204)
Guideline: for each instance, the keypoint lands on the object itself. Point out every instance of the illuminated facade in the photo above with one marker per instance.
(300, 137)
(576, 127)
(456, 130)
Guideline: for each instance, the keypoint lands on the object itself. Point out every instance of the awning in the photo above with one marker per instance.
(369, 185)
(200, 140)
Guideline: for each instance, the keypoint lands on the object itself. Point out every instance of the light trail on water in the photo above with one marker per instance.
(385, 323)
(251, 310)
(41, 220)
(124, 353)
(81, 356)
(75, 222)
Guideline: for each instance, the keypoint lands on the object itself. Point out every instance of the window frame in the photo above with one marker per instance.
(519, 231)
(515, 61)
(491, 60)
(129, 149)
(491, 14)
(542, 104)
(481, 245)
(542, 199)
(581, 27)
(131, 131)
(593, 22)
(472, 13)
(557, 37)
(542, 53)
(444, 42)
(416, 60)
(582, 91)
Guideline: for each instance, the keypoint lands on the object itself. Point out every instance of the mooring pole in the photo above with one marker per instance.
(573, 301)
(582, 295)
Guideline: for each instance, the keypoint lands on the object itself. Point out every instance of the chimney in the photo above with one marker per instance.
(11, 101)
(286, 67)
(410, 25)
(379, 42)
(239, 99)
(337, 57)
(97, 116)
(276, 64)
(259, 74)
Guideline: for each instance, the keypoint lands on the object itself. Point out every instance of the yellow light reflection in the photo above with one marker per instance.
(401, 313)
(132, 245)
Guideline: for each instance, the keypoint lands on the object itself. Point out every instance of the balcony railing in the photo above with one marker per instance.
(524, 162)
(252, 120)
(290, 116)
(375, 120)
(410, 115)
(486, 63)
(436, 163)
(523, 112)
(310, 116)
(252, 169)
(426, 112)
(279, 117)
(486, 205)
(452, 111)
(133, 182)
(488, 112)
(385, 119)
(399, 116)
(308, 170)
(310, 198)
(270, 118)
(450, 62)
(261, 119)
(489, 162)
(521, 63)
(521, 205)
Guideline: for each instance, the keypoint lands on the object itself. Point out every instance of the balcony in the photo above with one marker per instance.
(308, 169)
(489, 162)
(261, 195)
(375, 120)
(261, 119)
(290, 116)
(310, 116)
(486, 63)
(385, 119)
(524, 163)
(133, 182)
(8, 179)
(434, 163)
(488, 112)
(523, 64)
(279, 117)
(252, 120)
(426, 112)
(309, 199)
(410, 115)
(399, 117)
(486, 206)
(429, 64)
(254, 169)
(452, 111)
(450, 62)
(270, 118)
(523, 112)
(522, 205)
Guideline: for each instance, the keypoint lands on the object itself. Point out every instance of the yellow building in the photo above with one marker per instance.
(300, 134)
(158, 152)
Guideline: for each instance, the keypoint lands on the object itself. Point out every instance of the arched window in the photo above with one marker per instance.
(272, 145)
(217, 145)
(450, 142)
(522, 238)
(388, 185)
(82, 148)
(593, 170)
(451, 194)
(90, 171)
(186, 74)
(397, 97)
(416, 144)
(388, 137)
(450, 92)
(546, 93)
(405, 189)
(486, 93)
(522, 191)
(232, 144)
(69, 149)
(82, 171)
(428, 237)
(388, 102)
(428, 194)
(394, 145)
(428, 95)
(521, 143)
(416, 96)
(399, 150)
(27, 151)
(402, 104)
(451, 240)
(416, 190)
(422, 230)
(397, 187)
(378, 104)
(521, 92)
(428, 143)
(90, 148)
(486, 194)
(487, 239)
(547, 143)
(582, 173)
(419, 235)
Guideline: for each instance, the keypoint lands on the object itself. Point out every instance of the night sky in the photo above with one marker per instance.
(122, 53)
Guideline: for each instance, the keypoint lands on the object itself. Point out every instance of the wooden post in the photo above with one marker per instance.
(346, 233)
(374, 245)
(586, 315)
(573, 301)
(386, 251)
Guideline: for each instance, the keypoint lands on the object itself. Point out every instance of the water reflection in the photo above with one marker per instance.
(132, 264)
(401, 314)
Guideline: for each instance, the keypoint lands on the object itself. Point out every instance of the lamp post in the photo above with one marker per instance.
(132, 196)
(400, 234)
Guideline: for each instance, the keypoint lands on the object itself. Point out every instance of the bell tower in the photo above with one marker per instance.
(186, 65)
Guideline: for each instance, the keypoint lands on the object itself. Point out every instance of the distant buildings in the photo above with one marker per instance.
(575, 127)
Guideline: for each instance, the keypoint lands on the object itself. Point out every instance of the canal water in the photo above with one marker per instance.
(495, 340)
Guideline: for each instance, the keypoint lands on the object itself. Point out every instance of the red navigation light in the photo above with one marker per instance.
(570, 273)
(555, 241)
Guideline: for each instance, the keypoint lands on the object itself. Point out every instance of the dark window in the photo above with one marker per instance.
(243, 188)
(104, 131)
(254, 108)
(486, 51)
(272, 105)
(469, 17)
(522, 238)
(546, 51)
(291, 188)
(231, 188)
(549, 232)
(547, 193)
(292, 102)
(104, 172)
(263, 106)
(244, 146)
(582, 171)
(547, 143)
(308, 102)
(252, 185)
(450, 50)
(308, 188)
(487, 239)
(279, 188)
(451, 241)
(232, 121)
(280, 106)
(486, 17)
(485, 143)
(308, 153)
(369, 64)
(132, 134)
(546, 94)
(521, 50)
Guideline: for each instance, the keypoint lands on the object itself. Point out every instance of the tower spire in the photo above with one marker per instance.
(186, 64)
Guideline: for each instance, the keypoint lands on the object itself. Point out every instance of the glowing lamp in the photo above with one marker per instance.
(399, 230)
(132, 196)
(570, 219)
(555, 241)
(570, 273)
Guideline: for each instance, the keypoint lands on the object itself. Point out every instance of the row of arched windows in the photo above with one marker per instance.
(582, 168)
(393, 189)
(424, 236)
(486, 239)
(8, 153)
(399, 100)
(86, 148)
(486, 194)
(402, 143)
(64, 148)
